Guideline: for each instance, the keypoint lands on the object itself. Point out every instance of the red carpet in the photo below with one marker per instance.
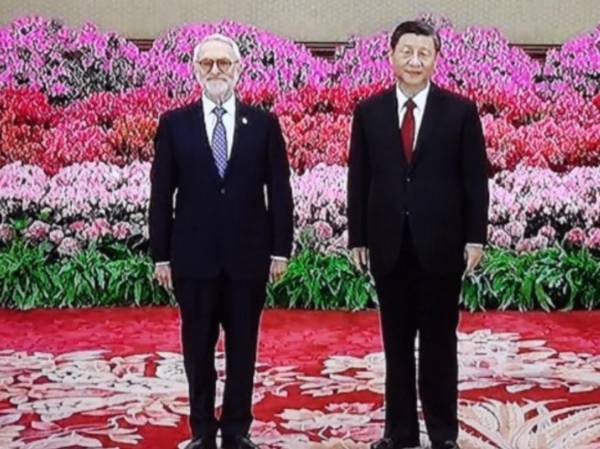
(113, 378)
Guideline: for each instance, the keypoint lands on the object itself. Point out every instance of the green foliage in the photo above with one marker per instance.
(318, 281)
(26, 281)
(115, 275)
(548, 279)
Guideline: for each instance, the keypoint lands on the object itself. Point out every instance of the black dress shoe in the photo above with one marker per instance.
(384, 443)
(202, 443)
(238, 442)
(446, 445)
(388, 443)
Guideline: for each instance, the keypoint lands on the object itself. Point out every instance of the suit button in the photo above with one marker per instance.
(222, 190)
(408, 179)
(407, 213)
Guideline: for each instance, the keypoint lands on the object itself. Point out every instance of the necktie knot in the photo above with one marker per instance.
(219, 112)
(410, 105)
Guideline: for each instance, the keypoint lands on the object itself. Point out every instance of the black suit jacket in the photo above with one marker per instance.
(442, 194)
(220, 225)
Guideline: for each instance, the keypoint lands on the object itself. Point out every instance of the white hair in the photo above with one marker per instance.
(217, 37)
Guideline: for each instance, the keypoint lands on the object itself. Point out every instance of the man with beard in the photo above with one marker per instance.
(417, 211)
(220, 224)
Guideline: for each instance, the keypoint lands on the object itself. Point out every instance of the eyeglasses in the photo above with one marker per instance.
(223, 64)
(407, 54)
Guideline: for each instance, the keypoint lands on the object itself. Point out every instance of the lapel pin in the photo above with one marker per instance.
(244, 120)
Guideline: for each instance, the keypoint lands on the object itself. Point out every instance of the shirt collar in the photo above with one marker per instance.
(420, 99)
(208, 105)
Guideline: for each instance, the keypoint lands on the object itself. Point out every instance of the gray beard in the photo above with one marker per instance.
(219, 96)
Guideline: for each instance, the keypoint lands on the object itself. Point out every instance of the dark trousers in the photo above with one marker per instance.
(236, 305)
(412, 300)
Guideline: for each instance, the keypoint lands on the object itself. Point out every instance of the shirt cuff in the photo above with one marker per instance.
(280, 258)
(162, 262)
(474, 245)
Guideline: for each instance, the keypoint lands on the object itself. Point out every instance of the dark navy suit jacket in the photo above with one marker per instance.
(212, 225)
(442, 193)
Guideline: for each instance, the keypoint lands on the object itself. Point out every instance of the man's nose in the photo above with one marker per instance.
(414, 60)
(214, 70)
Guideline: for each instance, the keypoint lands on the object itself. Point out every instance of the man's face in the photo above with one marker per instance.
(217, 70)
(413, 59)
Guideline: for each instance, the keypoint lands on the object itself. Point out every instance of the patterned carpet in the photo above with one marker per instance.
(108, 378)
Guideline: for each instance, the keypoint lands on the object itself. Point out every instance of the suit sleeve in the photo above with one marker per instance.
(474, 176)
(162, 179)
(359, 179)
(279, 192)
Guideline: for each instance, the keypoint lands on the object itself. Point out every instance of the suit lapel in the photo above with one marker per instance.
(198, 131)
(431, 117)
(240, 130)
(390, 123)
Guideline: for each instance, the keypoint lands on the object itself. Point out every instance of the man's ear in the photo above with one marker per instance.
(390, 54)
(435, 60)
(241, 68)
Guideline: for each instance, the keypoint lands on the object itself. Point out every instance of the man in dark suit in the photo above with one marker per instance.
(417, 214)
(232, 229)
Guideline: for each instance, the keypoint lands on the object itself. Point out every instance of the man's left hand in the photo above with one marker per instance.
(277, 270)
(473, 256)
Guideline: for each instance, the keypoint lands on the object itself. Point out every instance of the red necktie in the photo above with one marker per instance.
(408, 129)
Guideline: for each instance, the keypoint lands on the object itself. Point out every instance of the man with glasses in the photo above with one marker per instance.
(417, 214)
(220, 224)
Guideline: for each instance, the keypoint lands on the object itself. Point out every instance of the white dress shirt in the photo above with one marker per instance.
(210, 119)
(420, 99)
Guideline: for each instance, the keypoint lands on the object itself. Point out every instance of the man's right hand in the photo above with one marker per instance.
(162, 273)
(360, 256)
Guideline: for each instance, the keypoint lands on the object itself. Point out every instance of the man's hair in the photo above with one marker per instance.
(419, 28)
(218, 38)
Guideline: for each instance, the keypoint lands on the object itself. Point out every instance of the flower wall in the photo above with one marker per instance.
(79, 110)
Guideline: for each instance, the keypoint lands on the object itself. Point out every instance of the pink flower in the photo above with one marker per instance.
(547, 231)
(50, 56)
(499, 237)
(77, 226)
(56, 236)
(593, 239)
(37, 231)
(97, 229)
(121, 230)
(323, 230)
(68, 247)
(7, 233)
(515, 229)
(575, 237)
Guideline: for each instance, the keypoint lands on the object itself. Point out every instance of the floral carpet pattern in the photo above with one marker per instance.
(113, 378)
